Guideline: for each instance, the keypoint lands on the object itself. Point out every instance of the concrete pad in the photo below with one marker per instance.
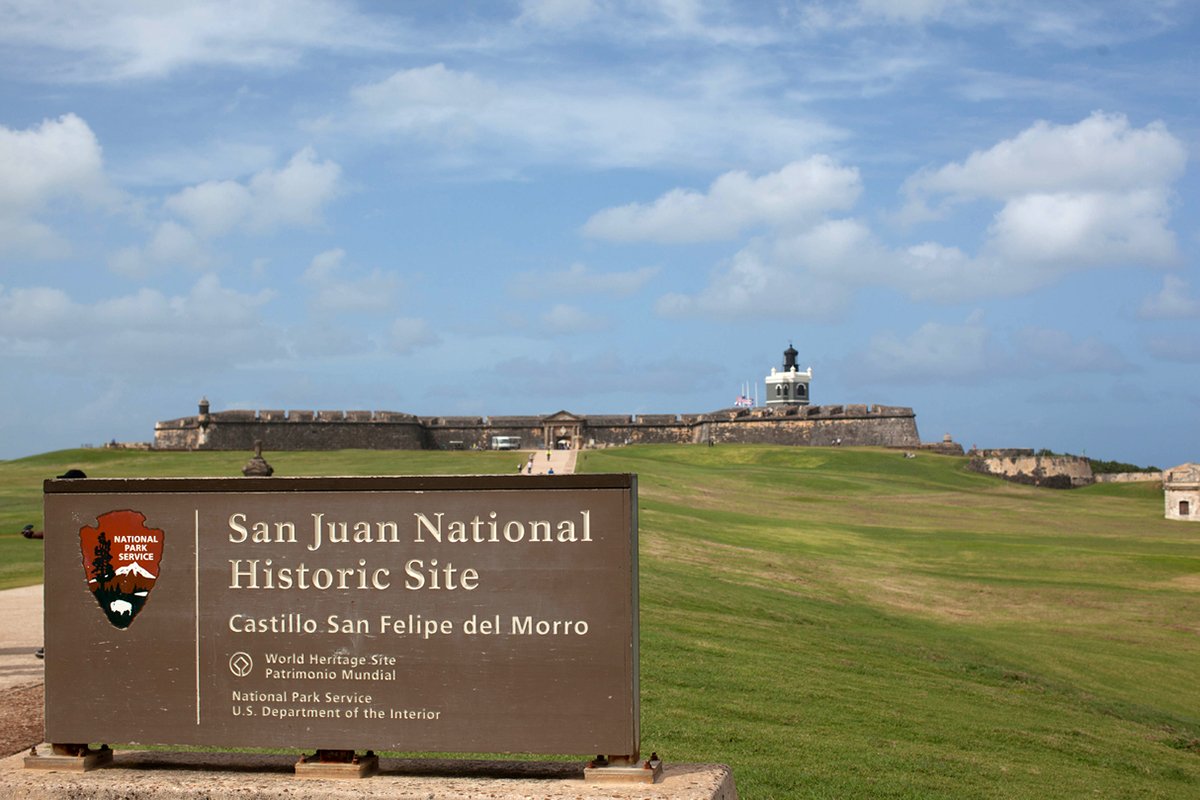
(20, 636)
(193, 776)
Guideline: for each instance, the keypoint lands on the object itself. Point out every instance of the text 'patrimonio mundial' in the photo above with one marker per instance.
(419, 573)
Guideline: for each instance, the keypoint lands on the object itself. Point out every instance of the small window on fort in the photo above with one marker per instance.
(800, 390)
(785, 392)
(1184, 508)
(778, 390)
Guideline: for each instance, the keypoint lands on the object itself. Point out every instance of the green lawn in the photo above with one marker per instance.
(847, 623)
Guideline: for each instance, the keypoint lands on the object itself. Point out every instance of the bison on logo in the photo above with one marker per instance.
(121, 560)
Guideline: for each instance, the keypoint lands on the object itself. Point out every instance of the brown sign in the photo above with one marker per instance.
(472, 614)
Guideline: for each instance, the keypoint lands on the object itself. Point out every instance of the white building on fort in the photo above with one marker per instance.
(1181, 488)
(789, 387)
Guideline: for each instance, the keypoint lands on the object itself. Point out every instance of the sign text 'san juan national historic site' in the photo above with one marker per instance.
(466, 614)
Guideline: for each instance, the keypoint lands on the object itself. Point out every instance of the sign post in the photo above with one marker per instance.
(458, 614)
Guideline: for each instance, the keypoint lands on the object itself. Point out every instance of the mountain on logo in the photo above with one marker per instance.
(136, 570)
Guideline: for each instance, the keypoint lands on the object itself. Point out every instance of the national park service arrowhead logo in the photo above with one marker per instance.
(121, 560)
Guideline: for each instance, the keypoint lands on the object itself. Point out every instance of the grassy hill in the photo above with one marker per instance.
(849, 623)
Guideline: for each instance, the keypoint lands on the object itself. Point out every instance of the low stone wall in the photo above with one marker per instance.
(1128, 477)
(1021, 466)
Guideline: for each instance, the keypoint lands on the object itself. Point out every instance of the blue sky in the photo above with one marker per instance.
(986, 211)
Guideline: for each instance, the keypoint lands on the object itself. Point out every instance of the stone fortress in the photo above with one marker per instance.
(787, 418)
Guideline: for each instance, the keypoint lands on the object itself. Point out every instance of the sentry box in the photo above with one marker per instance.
(457, 614)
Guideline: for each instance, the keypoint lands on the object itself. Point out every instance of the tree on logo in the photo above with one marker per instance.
(102, 568)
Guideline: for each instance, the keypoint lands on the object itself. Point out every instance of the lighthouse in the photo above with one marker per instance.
(789, 386)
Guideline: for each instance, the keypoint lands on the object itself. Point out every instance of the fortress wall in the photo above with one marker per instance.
(335, 430)
(898, 431)
(1055, 472)
(295, 430)
(457, 437)
(329, 435)
(176, 434)
(455, 433)
(636, 433)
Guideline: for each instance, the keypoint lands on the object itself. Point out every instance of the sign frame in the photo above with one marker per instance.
(119, 676)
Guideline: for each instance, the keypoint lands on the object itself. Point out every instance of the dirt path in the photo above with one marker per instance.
(21, 721)
(21, 674)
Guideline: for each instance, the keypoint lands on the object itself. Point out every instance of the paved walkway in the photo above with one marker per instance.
(561, 461)
(20, 635)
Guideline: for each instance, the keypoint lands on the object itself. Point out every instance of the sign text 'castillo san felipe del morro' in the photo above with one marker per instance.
(458, 614)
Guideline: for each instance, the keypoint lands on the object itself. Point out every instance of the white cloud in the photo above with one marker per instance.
(557, 13)
(578, 279)
(34, 313)
(408, 334)
(172, 245)
(1101, 153)
(210, 325)
(802, 275)
(173, 163)
(793, 197)
(933, 352)
(642, 21)
(1066, 23)
(1068, 229)
(466, 122)
(970, 352)
(1060, 351)
(1075, 197)
(565, 319)
(41, 168)
(1081, 196)
(109, 42)
(324, 266)
(932, 271)
(213, 208)
(909, 11)
(602, 373)
(1173, 301)
(1178, 349)
(293, 196)
(337, 292)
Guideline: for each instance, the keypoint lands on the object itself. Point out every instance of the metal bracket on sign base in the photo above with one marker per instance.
(69, 758)
(337, 764)
(623, 769)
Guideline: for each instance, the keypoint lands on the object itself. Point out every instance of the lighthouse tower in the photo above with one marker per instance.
(789, 387)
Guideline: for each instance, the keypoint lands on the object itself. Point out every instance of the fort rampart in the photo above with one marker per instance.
(1024, 466)
(1129, 477)
(858, 425)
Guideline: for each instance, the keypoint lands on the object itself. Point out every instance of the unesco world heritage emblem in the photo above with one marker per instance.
(121, 561)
